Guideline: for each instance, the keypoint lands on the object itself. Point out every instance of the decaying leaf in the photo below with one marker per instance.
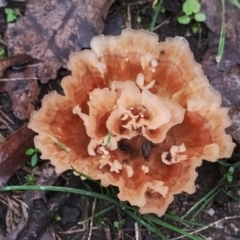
(15, 61)
(51, 30)
(12, 153)
(24, 94)
(20, 82)
(225, 77)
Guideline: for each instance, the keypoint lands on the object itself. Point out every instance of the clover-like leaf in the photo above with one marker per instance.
(199, 17)
(195, 6)
(186, 7)
(34, 160)
(30, 151)
(11, 15)
(184, 19)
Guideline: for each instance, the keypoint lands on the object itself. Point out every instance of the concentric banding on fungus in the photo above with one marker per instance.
(149, 149)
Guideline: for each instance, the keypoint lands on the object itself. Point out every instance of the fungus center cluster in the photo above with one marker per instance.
(124, 111)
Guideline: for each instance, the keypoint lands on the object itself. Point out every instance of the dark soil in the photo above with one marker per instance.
(57, 215)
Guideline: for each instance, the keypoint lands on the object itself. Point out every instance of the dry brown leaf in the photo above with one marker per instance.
(51, 30)
(20, 82)
(12, 153)
(13, 61)
(226, 77)
(24, 94)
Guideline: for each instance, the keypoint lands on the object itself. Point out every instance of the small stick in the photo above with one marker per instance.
(6, 116)
(6, 124)
(210, 225)
(91, 223)
(136, 227)
(161, 24)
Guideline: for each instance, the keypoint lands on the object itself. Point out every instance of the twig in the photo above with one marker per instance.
(17, 79)
(107, 232)
(161, 24)
(128, 23)
(91, 223)
(119, 234)
(137, 233)
(2, 42)
(209, 225)
(6, 124)
(6, 116)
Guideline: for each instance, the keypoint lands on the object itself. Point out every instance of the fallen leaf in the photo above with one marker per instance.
(226, 77)
(51, 30)
(24, 94)
(12, 152)
(20, 82)
(13, 61)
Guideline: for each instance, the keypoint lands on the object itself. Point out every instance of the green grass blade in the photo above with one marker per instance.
(222, 36)
(236, 3)
(97, 214)
(171, 227)
(207, 201)
(153, 22)
(234, 165)
(178, 219)
(197, 204)
(140, 220)
(62, 189)
(59, 143)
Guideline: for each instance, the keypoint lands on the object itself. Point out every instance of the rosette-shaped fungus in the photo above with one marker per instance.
(137, 114)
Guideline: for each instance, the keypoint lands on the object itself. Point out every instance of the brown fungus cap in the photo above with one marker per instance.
(137, 114)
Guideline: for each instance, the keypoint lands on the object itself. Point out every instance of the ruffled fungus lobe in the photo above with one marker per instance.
(137, 114)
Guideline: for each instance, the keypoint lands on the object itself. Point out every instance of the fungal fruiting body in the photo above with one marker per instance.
(136, 114)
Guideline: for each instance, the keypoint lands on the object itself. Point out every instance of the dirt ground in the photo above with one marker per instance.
(57, 215)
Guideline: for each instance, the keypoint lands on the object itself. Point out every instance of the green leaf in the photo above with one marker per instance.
(2, 54)
(139, 19)
(37, 150)
(11, 16)
(236, 3)
(200, 17)
(186, 7)
(229, 178)
(116, 224)
(30, 151)
(34, 160)
(184, 19)
(195, 6)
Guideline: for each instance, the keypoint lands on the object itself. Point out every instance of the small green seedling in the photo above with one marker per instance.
(33, 152)
(2, 53)
(229, 174)
(101, 222)
(118, 224)
(31, 179)
(191, 8)
(12, 14)
(196, 28)
(57, 217)
(139, 19)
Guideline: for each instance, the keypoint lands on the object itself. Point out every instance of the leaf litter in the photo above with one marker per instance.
(225, 77)
(51, 30)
